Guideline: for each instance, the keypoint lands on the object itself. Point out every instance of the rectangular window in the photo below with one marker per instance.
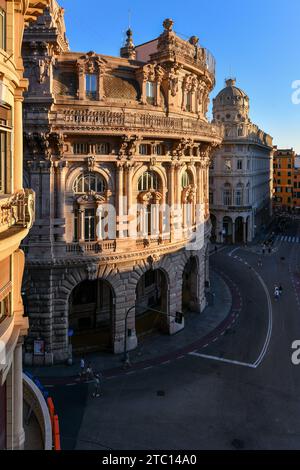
(227, 197)
(91, 80)
(143, 149)
(80, 148)
(102, 149)
(248, 164)
(89, 225)
(211, 197)
(3, 163)
(238, 197)
(240, 164)
(188, 101)
(150, 92)
(2, 29)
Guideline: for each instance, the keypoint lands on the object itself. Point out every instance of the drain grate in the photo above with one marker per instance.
(238, 444)
(160, 393)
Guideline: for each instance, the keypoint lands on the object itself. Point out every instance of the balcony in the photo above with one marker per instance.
(105, 119)
(105, 246)
(16, 218)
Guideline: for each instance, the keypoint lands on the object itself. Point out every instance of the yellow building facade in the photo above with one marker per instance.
(286, 180)
(16, 216)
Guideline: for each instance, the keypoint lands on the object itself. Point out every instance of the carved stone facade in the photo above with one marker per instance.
(110, 144)
(241, 172)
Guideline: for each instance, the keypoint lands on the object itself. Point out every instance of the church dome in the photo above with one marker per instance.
(231, 98)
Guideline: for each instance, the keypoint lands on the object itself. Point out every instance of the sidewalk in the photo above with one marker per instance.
(156, 346)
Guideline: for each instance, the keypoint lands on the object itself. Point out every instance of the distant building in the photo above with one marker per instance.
(286, 180)
(128, 133)
(241, 171)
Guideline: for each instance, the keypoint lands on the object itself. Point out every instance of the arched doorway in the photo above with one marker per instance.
(190, 282)
(213, 237)
(151, 306)
(227, 230)
(90, 316)
(239, 230)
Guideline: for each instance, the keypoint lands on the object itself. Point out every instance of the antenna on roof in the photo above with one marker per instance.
(129, 18)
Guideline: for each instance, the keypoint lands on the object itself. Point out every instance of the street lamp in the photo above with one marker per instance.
(125, 337)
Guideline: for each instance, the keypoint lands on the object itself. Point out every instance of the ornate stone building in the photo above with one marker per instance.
(117, 150)
(241, 172)
(16, 218)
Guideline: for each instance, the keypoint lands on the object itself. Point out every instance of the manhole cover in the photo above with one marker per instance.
(160, 393)
(238, 444)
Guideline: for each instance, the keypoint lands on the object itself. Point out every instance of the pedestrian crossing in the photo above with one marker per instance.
(287, 238)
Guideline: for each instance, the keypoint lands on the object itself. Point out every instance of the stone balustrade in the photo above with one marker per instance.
(133, 121)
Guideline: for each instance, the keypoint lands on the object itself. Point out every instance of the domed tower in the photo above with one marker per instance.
(231, 104)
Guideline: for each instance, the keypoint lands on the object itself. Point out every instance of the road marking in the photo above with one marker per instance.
(49, 386)
(233, 251)
(181, 357)
(270, 321)
(222, 359)
(293, 239)
(70, 385)
(166, 362)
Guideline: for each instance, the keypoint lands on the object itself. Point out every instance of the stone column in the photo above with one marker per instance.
(81, 224)
(18, 144)
(129, 171)
(233, 232)
(244, 231)
(81, 82)
(119, 199)
(18, 432)
(171, 189)
(61, 187)
(98, 223)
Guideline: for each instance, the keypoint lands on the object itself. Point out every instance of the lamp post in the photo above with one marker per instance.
(125, 337)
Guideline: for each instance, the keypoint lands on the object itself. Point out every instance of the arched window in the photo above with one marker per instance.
(89, 182)
(148, 180)
(185, 180)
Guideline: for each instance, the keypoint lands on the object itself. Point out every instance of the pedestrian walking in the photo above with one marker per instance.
(82, 367)
(280, 289)
(259, 262)
(276, 293)
(97, 385)
(89, 371)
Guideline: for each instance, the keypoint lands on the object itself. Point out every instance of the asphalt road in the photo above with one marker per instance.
(241, 391)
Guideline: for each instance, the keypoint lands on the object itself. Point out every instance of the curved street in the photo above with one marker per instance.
(239, 391)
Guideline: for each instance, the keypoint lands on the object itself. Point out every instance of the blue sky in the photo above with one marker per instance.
(257, 41)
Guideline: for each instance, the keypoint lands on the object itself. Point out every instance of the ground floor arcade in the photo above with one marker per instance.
(86, 305)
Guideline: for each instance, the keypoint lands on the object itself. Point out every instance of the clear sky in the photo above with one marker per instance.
(257, 41)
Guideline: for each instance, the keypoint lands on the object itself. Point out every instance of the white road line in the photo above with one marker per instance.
(233, 251)
(270, 322)
(293, 239)
(222, 359)
(297, 240)
(181, 357)
(70, 385)
(166, 362)
(147, 368)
